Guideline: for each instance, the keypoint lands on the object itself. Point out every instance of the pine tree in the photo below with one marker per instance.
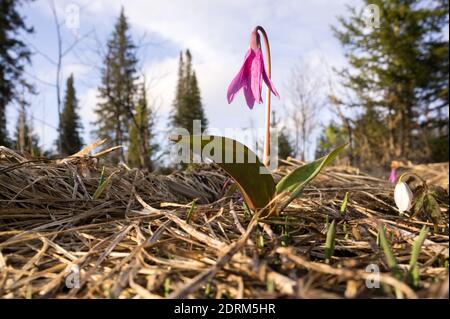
(141, 149)
(14, 55)
(71, 140)
(24, 139)
(187, 105)
(118, 88)
(399, 73)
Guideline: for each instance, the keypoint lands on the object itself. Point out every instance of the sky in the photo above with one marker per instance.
(216, 32)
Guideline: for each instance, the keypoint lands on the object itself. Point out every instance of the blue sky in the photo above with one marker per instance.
(216, 32)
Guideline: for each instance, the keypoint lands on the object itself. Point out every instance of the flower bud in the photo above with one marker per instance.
(255, 40)
(403, 197)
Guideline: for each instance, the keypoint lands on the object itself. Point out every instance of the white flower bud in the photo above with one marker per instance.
(403, 197)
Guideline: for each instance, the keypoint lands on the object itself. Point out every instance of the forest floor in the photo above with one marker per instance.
(74, 229)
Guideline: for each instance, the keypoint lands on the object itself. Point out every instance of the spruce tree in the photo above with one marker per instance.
(399, 72)
(14, 55)
(142, 148)
(187, 105)
(118, 88)
(71, 140)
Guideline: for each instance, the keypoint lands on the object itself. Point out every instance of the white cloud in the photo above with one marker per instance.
(87, 103)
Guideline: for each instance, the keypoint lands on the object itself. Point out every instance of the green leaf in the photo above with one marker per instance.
(238, 161)
(419, 203)
(329, 244)
(296, 181)
(259, 238)
(433, 208)
(390, 258)
(413, 269)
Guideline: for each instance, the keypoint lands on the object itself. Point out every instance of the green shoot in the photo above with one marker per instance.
(191, 210)
(329, 244)
(270, 286)
(344, 203)
(390, 258)
(413, 268)
(167, 288)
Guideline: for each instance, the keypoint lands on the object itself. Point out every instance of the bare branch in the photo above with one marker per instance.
(305, 101)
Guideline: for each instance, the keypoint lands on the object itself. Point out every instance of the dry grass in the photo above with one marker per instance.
(141, 238)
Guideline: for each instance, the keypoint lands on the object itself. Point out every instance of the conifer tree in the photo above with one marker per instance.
(118, 88)
(332, 135)
(14, 55)
(399, 73)
(142, 148)
(71, 140)
(187, 105)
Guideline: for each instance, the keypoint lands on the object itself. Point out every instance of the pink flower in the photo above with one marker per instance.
(251, 74)
(393, 176)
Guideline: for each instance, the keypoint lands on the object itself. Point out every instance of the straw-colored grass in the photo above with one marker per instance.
(133, 239)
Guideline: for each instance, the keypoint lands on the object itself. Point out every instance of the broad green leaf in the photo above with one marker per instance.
(413, 269)
(238, 161)
(329, 244)
(296, 181)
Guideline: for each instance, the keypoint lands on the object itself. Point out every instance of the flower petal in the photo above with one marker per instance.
(241, 78)
(269, 82)
(256, 75)
(249, 98)
(403, 197)
(393, 176)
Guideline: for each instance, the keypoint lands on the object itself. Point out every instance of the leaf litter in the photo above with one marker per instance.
(133, 234)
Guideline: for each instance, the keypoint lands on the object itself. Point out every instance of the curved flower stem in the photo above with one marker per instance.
(266, 158)
(413, 175)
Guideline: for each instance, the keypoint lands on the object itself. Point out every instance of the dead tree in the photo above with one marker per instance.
(305, 103)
